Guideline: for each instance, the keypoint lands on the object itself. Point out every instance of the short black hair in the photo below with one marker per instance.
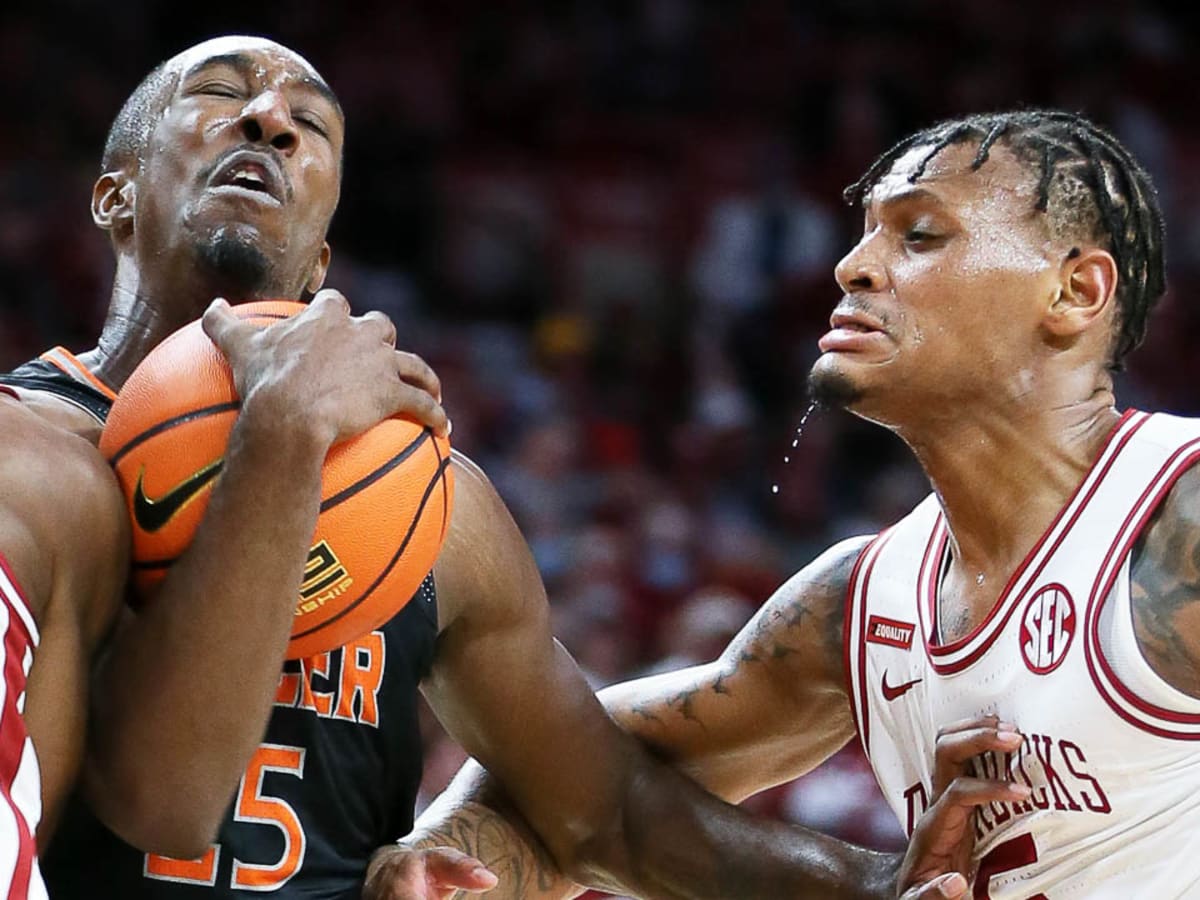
(132, 127)
(1089, 184)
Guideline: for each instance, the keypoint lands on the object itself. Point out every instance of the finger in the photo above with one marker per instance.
(965, 791)
(953, 750)
(385, 326)
(419, 373)
(417, 404)
(960, 746)
(991, 720)
(330, 300)
(941, 831)
(951, 885)
(447, 868)
(221, 325)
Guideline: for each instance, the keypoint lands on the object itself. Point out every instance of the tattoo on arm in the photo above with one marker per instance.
(510, 849)
(1165, 589)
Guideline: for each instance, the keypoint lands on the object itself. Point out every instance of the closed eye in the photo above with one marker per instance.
(218, 89)
(922, 239)
(313, 123)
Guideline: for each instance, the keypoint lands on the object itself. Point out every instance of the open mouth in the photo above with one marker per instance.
(253, 173)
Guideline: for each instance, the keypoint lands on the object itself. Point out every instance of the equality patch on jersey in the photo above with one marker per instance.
(890, 632)
(1048, 626)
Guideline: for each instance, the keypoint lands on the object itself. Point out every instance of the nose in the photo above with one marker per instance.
(860, 270)
(267, 119)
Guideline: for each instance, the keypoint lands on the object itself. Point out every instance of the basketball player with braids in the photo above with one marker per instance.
(1008, 264)
(220, 179)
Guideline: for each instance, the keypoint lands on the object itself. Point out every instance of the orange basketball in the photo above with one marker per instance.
(386, 495)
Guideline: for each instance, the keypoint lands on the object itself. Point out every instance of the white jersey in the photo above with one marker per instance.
(20, 778)
(1110, 749)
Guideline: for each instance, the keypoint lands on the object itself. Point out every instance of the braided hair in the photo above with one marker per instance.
(1088, 185)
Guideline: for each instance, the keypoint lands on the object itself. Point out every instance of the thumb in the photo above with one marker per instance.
(450, 868)
(221, 325)
(945, 887)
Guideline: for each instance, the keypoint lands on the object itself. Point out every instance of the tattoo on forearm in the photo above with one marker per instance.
(524, 867)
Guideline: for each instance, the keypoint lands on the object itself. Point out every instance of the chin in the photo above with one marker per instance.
(830, 386)
(234, 257)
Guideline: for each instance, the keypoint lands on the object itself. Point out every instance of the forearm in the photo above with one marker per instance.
(474, 817)
(707, 854)
(184, 693)
(677, 842)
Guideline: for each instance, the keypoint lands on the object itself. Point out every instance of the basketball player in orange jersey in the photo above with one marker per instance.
(1008, 263)
(220, 177)
(63, 560)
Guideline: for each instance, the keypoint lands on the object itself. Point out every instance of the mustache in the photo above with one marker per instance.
(207, 173)
(854, 303)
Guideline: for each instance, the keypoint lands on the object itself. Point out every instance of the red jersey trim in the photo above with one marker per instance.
(1127, 704)
(13, 737)
(960, 654)
(854, 630)
(15, 600)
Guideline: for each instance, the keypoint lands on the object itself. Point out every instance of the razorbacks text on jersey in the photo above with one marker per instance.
(1110, 748)
(335, 778)
(20, 779)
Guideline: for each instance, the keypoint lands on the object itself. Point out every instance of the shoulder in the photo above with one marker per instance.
(62, 510)
(819, 589)
(43, 461)
(799, 630)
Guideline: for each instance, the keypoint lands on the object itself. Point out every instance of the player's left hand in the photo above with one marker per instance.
(952, 886)
(397, 872)
(940, 846)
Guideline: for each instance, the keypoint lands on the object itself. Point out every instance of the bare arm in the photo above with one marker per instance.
(185, 689)
(64, 534)
(1165, 585)
(607, 812)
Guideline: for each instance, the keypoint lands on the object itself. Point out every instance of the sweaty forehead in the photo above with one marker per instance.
(265, 55)
(948, 175)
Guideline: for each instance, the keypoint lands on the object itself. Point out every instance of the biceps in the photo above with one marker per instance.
(733, 731)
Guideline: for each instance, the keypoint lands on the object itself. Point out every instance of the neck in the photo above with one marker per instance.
(1003, 475)
(139, 320)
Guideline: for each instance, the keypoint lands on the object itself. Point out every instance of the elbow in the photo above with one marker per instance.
(176, 839)
(166, 833)
(598, 850)
(596, 860)
(155, 819)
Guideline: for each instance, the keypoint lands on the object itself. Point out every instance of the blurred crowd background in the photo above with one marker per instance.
(611, 227)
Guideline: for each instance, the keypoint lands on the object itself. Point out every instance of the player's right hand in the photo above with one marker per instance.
(325, 371)
(938, 861)
(397, 872)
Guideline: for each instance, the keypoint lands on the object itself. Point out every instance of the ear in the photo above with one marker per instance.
(317, 278)
(1087, 285)
(113, 198)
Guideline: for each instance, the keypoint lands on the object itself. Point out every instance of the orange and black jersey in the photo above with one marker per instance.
(335, 778)
(58, 372)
